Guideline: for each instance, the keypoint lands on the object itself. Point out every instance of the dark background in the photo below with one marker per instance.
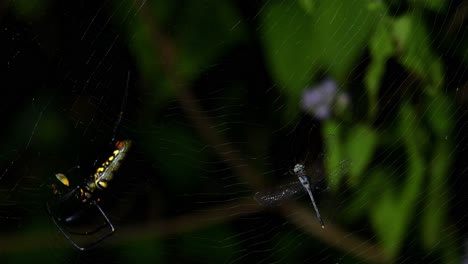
(209, 92)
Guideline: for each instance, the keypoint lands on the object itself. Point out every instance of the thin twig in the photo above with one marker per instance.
(152, 230)
(298, 215)
(333, 235)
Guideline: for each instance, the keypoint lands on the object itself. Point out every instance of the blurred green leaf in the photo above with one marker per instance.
(379, 6)
(393, 212)
(381, 49)
(414, 45)
(368, 193)
(387, 220)
(440, 114)
(360, 146)
(411, 130)
(204, 31)
(435, 210)
(331, 131)
(434, 5)
(299, 44)
(308, 5)
(289, 44)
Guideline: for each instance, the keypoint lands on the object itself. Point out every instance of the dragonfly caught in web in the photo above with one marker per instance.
(288, 191)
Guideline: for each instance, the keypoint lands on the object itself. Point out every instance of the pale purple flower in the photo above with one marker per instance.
(320, 100)
(317, 100)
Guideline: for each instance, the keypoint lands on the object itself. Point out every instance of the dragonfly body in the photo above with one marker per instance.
(299, 170)
(287, 191)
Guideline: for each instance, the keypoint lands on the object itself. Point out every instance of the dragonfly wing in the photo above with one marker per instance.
(279, 194)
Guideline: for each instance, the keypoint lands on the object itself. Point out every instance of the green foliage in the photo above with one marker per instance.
(308, 5)
(335, 151)
(361, 143)
(433, 5)
(395, 208)
(356, 147)
(415, 54)
(391, 210)
(439, 116)
(300, 43)
(216, 33)
(197, 50)
(369, 194)
(435, 207)
(381, 49)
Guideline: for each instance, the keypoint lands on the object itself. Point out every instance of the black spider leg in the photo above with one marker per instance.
(122, 106)
(108, 222)
(66, 233)
(77, 215)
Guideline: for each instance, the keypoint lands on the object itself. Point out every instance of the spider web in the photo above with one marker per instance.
(212, 97)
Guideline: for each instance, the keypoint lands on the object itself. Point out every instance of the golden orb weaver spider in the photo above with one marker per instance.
(63, 211)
